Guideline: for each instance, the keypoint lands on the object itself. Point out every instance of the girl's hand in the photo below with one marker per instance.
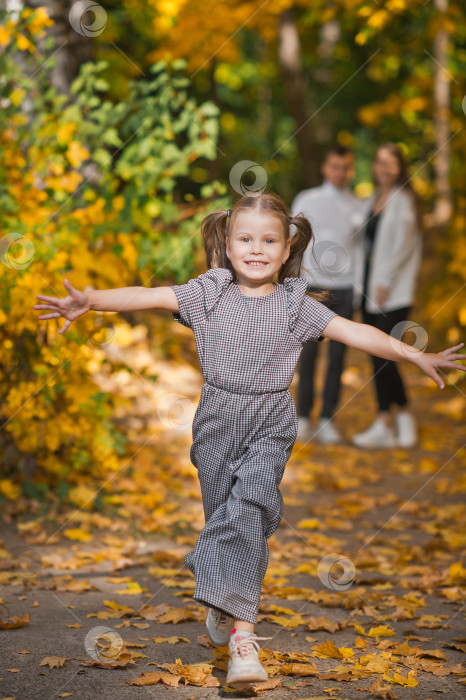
(429, 362)
(73, 306)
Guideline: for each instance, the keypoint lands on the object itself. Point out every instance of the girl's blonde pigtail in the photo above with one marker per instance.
(214, 231)
(302, 238)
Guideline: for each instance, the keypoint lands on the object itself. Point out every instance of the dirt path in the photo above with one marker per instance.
(393, 519)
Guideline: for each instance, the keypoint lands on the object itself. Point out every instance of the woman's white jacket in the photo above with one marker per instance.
(396, 254)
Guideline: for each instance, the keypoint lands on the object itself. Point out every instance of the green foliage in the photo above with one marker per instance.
(88, 190)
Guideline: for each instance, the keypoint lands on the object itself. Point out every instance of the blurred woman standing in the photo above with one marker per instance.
(390, 250)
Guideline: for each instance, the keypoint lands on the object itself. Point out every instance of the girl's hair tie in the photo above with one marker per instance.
(290, 219)
(229, 212)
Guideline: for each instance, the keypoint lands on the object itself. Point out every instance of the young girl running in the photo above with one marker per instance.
(249, 332)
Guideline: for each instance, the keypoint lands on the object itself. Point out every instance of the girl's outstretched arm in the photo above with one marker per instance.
(362, 336)
(78, 303)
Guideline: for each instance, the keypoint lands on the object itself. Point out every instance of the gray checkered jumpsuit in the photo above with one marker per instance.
(244, 427)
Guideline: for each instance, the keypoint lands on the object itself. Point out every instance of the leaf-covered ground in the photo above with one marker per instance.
(97, 604)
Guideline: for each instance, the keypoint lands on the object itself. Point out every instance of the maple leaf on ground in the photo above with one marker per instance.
(332, 676)
(285, 621)
(432, 654)
(14, 622)
(402, 613)
(76, 586)
(132, 590)
(54, 661)
(353, 671)
(276, 609)
(398, 678)
(292, 669)
(254, 689)
(432, 621)
(111, 663)
(398, 649)
(382, 691)
(153, 678)
(170, 640)
(376, 664)
(153, 612)
(175, 615)
(199, 674)
(123, 609)
(381, 631)
(287, 656)
(328, 650)
(454, 645)
(321, 623)
(78, 534)
(204, 640)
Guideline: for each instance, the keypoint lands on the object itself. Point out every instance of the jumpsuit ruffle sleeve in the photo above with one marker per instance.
(245, 425)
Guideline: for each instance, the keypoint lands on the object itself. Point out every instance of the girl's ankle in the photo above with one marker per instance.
(242, 626)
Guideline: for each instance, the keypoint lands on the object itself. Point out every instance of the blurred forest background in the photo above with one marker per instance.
(119, 127)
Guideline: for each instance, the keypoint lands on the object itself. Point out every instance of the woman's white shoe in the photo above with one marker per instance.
(305, 432)
(379, 435)
(407, 429)
(328, 433)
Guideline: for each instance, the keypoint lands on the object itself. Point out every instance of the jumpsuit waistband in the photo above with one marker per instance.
(247, 390)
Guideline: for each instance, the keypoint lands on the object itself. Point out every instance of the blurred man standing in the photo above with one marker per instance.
(334, 213)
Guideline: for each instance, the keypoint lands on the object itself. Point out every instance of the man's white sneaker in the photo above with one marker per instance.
(305, 432)
(244, 666)
(378, 436)
(327, 432)
(219, 626)
(407, 429)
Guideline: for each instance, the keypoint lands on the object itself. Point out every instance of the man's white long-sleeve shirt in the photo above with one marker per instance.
(335, 216)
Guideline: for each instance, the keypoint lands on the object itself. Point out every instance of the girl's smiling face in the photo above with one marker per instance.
(255, 245)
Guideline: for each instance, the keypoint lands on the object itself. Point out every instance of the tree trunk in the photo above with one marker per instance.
(289, 58)
(214, 165)
(73, 46)
(443, 195)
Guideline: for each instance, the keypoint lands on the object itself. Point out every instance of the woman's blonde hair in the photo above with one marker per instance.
(215, 228)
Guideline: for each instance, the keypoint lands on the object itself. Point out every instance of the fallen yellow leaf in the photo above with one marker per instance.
(78, 534)
(54, 661)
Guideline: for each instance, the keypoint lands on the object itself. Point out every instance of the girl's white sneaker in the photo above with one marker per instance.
(244, 666)
(219, 626)
(378, 436)
(407, 429)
